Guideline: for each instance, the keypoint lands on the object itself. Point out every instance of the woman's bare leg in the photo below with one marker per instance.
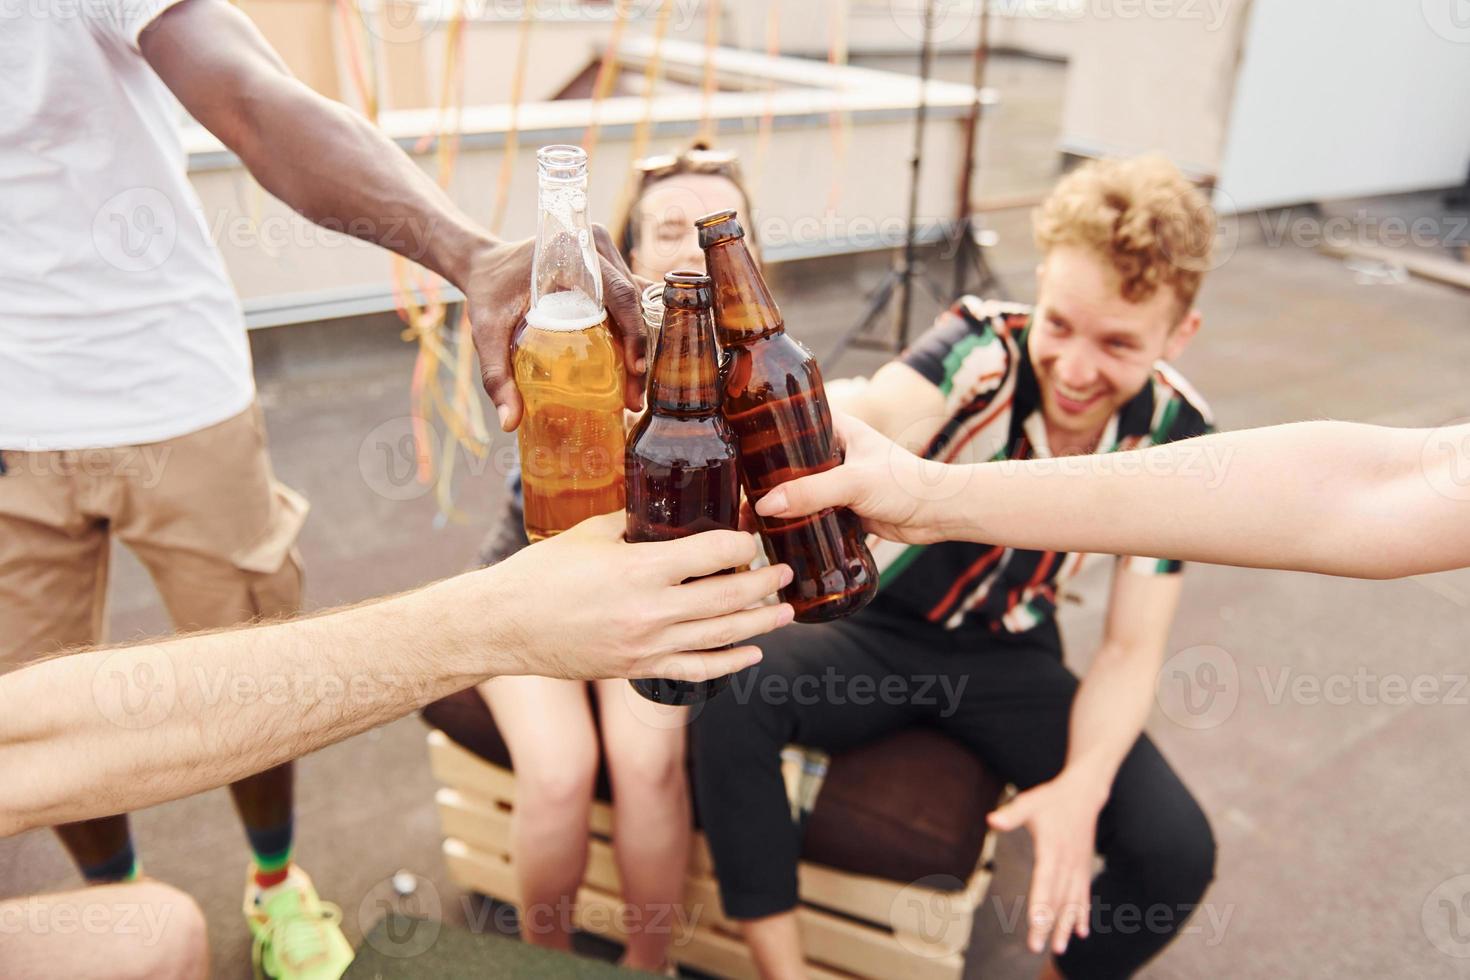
(651, 815)
(547, 724)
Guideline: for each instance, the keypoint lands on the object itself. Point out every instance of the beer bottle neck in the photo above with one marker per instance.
(565, 258)
(745, 311)
(685, 379)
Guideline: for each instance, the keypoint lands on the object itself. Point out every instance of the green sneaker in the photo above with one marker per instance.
(297, 935)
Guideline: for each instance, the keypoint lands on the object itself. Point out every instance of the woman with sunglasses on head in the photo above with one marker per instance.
(549, 725)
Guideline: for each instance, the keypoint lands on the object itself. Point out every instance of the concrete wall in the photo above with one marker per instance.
(1348, 98)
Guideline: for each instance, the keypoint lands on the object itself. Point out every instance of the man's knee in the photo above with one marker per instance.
(174, 939)
(122, 932)
(1174, 860)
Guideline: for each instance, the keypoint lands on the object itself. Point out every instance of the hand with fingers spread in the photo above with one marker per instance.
(1061, 816)
(498, 294)
(593, 605)
(899, 496)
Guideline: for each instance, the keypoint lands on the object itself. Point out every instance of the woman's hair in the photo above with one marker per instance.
(1142, 215)
(696, 158)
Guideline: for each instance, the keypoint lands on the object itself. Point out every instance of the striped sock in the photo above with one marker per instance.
(123, 866)
(271, 849)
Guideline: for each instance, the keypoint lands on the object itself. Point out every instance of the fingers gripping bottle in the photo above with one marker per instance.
(681, 458)
(774, 400)
(567, 364)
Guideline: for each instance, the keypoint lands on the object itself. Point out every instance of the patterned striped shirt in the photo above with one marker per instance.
(976, 355)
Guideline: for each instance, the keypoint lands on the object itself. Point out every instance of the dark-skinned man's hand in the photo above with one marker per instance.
(498, 294)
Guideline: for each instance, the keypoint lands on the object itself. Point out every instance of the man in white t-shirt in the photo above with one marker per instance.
(127, 405)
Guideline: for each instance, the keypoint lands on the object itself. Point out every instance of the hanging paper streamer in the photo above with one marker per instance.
(837, 58)
(709, 87)
(651, 74)
(768, 114)
(512, 134)
(607, 74)
(417, 294)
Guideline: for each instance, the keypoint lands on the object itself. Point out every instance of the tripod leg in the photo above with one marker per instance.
(877, 303)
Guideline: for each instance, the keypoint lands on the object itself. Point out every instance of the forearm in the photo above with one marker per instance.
(127, 728)
(1333, 497)
(334, 167)
(1108, 714)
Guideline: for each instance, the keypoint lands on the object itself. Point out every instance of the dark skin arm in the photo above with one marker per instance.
(335, 168)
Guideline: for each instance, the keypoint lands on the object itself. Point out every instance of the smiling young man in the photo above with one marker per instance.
(1085, 371)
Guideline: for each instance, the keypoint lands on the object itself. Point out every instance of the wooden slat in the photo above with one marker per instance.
(478, 823)
(460, 768)
(937, 919)
(478, 853)
(828, 941)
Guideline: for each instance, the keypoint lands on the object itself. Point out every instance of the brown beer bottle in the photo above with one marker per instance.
(681, 458)
(774, 400)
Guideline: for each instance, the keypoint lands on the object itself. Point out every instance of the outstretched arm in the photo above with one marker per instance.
(110, 731)
(334, 167)
(1340, 498)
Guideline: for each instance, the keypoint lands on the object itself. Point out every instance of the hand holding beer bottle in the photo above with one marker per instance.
(681, 457)
(567, 364)
(774, 401)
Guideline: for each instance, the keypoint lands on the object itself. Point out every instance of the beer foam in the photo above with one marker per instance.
(571, 309)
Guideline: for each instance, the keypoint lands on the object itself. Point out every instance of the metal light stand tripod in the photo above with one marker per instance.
(969, 239)
(901, 277)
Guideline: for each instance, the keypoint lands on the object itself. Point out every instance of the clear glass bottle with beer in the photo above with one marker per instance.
(774, 401)
(681, 461)
(567, 364)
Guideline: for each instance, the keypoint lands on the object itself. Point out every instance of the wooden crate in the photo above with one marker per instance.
(851, 925)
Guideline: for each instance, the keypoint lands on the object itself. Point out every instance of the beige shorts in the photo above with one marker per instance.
(203, 513)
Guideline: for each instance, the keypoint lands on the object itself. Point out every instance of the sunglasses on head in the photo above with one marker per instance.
(722, 163)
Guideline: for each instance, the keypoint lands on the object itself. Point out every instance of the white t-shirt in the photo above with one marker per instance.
(118, 322)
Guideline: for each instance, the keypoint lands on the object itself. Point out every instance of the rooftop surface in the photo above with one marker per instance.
(1338, 803)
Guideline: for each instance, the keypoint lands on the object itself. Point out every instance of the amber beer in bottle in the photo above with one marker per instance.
(567, 364)
(774, 400)
(681, 459)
